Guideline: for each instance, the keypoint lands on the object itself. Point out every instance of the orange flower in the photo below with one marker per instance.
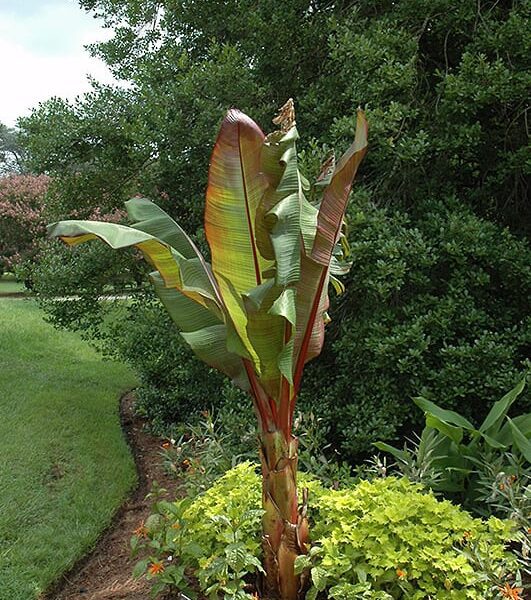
(401, 574)
(166, 445)
(467, 535)
(156, 568)
(511, 592)
(176, 525)
(141, 530)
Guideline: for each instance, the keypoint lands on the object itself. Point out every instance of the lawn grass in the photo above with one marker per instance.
(64, 465)
(9, 285)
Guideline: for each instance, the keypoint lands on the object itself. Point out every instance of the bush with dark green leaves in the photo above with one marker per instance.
(435, 305)
(174, 385)
(436, 299)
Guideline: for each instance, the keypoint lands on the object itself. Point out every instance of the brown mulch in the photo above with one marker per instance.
(105, 573)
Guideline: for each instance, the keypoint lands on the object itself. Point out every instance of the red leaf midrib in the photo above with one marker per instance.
(248, 214)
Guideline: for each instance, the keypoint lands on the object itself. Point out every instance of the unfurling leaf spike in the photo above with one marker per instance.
(286, 116)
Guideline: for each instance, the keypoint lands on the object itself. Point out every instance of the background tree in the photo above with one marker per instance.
(12, 153)
(439, 220)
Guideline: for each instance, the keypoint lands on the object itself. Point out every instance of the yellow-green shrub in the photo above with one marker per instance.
(387, 535)
(383, 539)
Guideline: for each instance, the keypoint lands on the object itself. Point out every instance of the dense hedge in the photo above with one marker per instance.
(435, 305)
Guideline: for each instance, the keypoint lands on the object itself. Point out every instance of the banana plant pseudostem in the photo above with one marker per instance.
(257, 312)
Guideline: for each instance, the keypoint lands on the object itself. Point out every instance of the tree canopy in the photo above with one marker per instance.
(445, 89)
(12, 153)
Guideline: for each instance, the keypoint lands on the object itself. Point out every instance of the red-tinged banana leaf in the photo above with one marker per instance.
(236, 313)
(271, 306)
(312, 289)
(167, 261)
(185, 313)
(312, 304)
(244, 270)
(235, 186)
(278, 217)
(309, 215)
(150, 218)
(202, 330)
(270, 318)
(335, 197)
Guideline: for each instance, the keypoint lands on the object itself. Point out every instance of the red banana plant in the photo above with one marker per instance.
(257, 312)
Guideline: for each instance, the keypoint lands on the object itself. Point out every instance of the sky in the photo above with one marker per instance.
(42, 53)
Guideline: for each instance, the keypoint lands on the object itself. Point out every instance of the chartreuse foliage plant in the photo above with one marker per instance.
(385, 539)
(257, 312)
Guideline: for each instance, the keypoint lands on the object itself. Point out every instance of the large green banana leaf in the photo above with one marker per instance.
(259, 311)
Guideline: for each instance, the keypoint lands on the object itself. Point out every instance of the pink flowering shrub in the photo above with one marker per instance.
(22, 222)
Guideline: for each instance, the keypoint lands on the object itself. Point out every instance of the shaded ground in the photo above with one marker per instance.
(106, 572)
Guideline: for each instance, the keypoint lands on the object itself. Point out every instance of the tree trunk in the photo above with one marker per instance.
(285, 528)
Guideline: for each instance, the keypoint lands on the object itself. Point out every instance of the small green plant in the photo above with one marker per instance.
(215, 535)
(203, 452)
(163, 535)
(494, 573)
(385, 539)
(485, 469)
(468, 464)
(316, 456)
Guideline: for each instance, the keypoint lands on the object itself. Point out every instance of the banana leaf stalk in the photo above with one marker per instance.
(257, 312)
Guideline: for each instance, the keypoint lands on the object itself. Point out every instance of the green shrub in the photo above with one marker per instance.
(381, 539)
(435, 305)
(437, 297)
(174, 385)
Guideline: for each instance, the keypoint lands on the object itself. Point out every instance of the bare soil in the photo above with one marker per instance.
(105, 573)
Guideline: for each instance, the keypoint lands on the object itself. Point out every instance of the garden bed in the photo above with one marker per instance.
(106, 572)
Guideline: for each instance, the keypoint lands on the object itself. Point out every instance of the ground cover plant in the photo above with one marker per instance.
(258, 312)
(65, 464)
(384, 539)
